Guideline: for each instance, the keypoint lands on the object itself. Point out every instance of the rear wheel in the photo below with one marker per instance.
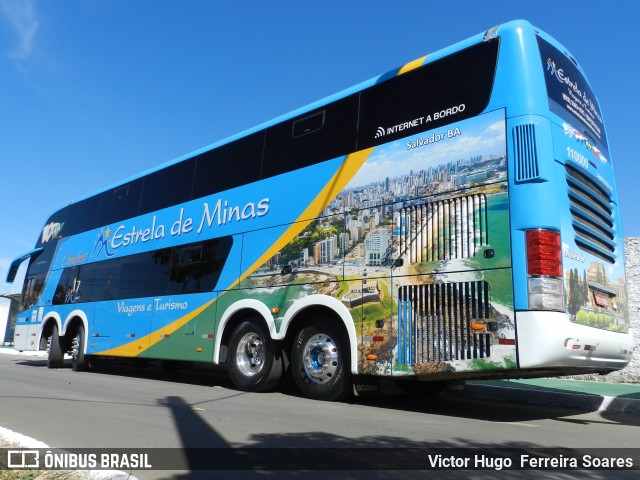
(320, 361)
(55, 356)
(77, 350)
(255, 360)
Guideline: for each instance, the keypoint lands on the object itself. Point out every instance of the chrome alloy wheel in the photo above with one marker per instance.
(320, 358)
(250, 354)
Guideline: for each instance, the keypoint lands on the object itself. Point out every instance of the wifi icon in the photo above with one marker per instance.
(380, 132)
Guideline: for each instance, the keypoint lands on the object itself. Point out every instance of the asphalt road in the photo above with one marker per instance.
(127, 407)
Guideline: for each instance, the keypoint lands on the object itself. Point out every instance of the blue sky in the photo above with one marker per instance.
(94, 91)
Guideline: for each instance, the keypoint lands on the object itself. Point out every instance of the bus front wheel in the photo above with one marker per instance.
(320, 364)
(255, 360)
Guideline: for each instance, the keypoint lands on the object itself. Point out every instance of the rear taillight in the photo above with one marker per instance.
(544, 255)
(544, 269)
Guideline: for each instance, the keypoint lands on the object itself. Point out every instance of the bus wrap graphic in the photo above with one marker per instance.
(102, 244)
(377, 233)
(573, 133)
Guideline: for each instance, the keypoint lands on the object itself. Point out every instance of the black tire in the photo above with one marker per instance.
(321, 364)
(55, 358)
(77, 350)
(255, 360)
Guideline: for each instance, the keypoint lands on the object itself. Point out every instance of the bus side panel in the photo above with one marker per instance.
(454, 289)
(416, 246)
(310, 263)
(183, 327)
(117, 323)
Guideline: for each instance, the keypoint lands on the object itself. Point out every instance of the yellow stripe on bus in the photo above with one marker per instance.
(135, 348)
(345, 173)
(418, 62)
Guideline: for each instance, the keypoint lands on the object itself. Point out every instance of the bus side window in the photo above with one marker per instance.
(145, 274)
(167, 187)
(107, 280)
(68, 289)
(120, 202)
(228, 166)
(446, 90)
(195, 268)
(308, 125)
(312, 138)
(78, 217)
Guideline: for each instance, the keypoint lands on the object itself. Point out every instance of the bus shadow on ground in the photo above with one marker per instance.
(297, 455)
(204, 375)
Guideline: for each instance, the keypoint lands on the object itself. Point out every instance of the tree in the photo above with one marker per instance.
(575, 293)
(581, 317)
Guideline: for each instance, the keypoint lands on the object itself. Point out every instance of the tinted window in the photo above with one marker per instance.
(66, 286)
(120, 203)
(445, 91)
(35, 277)
(196, 267)
(167, 187)
(77, 217)
(103, 209)
(308, 125)
(228, 166)
(311, 138)
(75, 285)
(192, 268)
(145, 274)
(100, 281)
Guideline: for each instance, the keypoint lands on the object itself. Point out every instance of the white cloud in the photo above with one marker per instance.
(497, 127)
(21, 16)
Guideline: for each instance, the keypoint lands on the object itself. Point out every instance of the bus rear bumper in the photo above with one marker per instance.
(550, 339)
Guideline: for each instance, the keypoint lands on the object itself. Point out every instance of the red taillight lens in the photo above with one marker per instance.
(544, 255)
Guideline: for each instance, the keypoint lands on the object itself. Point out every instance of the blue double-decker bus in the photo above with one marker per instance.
(455, 218)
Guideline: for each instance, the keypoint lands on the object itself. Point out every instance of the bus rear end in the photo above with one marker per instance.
(568, 252)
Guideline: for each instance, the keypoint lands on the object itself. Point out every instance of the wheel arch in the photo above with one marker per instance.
(313, 306)
(47, 326)
(75, 318)
(301, 312)
(233, 316)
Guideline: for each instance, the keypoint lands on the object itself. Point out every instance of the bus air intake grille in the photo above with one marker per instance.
(435, 322)
(525, 150)
(592, 214)
(445, 229)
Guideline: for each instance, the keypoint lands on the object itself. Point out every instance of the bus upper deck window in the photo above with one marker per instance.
(308, 125)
